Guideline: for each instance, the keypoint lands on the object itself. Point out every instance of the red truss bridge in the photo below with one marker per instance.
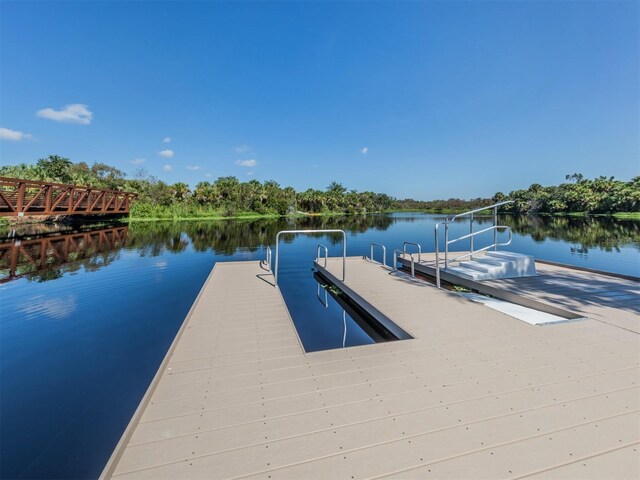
(27, 197)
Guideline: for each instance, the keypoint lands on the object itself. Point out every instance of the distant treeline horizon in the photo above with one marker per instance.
(228, 196)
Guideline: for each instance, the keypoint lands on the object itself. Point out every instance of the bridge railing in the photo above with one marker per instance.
(19, 197)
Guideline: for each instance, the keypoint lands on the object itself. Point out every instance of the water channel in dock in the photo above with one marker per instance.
(89, 311)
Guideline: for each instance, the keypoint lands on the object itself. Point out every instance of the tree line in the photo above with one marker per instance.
(228, 196)
(577, 195)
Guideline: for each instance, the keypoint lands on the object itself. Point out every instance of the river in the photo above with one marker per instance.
(88, 312)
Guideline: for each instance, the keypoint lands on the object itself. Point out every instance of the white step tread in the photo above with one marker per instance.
(492, 261)
(495, 265)
(476, 265)
(507, 255)
(464, 272)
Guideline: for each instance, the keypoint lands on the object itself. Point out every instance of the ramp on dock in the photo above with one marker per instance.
(476, 394)
(560, 290)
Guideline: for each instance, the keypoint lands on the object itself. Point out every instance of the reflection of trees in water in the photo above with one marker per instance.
(90, 248)
(226, 236)
(605, 233)
(40, 253)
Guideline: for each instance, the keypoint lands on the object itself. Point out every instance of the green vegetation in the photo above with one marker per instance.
(602, 195)
(227, 197)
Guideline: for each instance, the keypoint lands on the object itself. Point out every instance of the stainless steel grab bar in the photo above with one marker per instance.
(307, 232)
(326, 254)
(267, 260)
(404, 248)
(384, 252)
(403, 253)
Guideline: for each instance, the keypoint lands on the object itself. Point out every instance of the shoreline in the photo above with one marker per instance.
(6, 222)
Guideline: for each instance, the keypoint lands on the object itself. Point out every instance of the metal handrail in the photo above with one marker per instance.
(307, 232)
(482, 209)
(267, 260)
(504, 244)
(326, 254)
(404, 248)
(403, 253)
(384, 252)
(476, 233)
(471, 235)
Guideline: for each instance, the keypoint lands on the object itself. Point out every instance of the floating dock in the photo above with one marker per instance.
(475, 394)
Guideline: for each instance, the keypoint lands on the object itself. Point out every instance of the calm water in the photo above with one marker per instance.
(87, 316)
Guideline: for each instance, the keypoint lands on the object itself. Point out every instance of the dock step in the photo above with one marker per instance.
(495, 265)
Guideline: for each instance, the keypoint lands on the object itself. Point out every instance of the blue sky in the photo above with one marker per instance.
(414, 99)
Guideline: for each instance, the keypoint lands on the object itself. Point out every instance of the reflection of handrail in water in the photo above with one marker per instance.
(344, 322)
(325, 302)
(53, 251)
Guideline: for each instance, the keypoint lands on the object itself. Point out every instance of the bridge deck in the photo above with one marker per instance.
(475, 394)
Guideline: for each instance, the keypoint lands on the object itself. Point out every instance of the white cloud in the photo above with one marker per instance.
(249, 174)
(166, 153)
(138, 161)
(246, 163)
(365, 150)
(193, 167)
(167, 168)
(208, 175)
(166, 140)
(242, 148)
(74, 113)
(14, 135)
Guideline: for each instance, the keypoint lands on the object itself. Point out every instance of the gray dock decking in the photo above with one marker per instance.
(476, 393)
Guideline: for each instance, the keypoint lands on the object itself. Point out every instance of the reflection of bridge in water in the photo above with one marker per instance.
(25, 257)
(27, 197)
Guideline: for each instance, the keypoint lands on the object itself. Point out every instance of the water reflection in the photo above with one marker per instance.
(45, 252)
(583, 233)
(50, 256)
(57, 308)
(226, 236)
(325, 303)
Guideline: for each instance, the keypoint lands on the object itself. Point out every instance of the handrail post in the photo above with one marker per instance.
(344, 257)
(446, 246)
(495, 230)
(437, 257)
(471, 237)
(275, 273)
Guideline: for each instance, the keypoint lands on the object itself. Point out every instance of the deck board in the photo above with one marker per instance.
(473, 394)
